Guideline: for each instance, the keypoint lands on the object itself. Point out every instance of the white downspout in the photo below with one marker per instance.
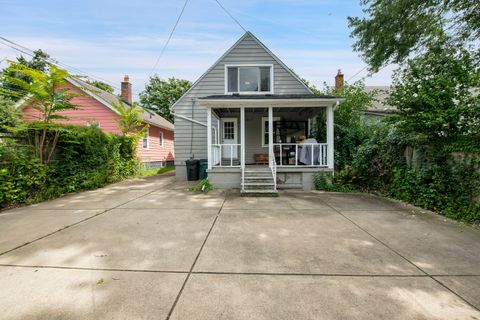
(330, 137)
(209, 138)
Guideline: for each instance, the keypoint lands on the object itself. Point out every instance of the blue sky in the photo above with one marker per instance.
(109, 38)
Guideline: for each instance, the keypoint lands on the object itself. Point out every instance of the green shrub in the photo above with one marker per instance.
(203, 186)
(21, 176)
(324, 181)
(85, 158)
(449, 189)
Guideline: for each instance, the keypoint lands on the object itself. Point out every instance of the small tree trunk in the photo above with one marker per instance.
(41, 146)
(52, 146)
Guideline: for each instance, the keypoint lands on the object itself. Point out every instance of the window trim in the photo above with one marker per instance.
(265, 119)
(91, 123)
(161, 136)
(147, 134)
(238, 75)
(235, 129)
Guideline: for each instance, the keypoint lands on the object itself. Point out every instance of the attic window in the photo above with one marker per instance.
(249, 79)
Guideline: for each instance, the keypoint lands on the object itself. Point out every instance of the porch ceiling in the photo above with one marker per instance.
(307, 112)
(278, 101)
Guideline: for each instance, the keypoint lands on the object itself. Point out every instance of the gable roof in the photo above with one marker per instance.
(109, 99)
(379, 105)
(247, 34)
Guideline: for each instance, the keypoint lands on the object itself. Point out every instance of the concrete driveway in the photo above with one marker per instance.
(150, 249)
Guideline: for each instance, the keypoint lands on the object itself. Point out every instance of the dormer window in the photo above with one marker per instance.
(249, 79)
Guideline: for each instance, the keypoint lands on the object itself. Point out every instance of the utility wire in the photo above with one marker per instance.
(169, 38)
(357, 73)
(230, 15)
(51, 60)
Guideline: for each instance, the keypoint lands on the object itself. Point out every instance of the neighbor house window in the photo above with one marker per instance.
(250, 79)
(161, 139)
(145, 140)
(265, 131)
(95, 124)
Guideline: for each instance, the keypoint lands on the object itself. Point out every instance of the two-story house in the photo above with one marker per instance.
(253, 119)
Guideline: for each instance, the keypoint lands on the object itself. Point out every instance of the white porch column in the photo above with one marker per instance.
(330, 136)
(270, 134)
(242, 137)
(209, 137)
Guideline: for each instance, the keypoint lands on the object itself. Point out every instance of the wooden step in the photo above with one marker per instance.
(259, 193)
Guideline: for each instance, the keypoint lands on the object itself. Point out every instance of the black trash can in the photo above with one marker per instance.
(192, 169)
(203, 168)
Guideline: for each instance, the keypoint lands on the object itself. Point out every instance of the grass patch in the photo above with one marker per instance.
(203, 186)
(151, 172)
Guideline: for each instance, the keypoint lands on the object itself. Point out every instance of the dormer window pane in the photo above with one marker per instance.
(249, 79)
(265, 79)
(232, 79)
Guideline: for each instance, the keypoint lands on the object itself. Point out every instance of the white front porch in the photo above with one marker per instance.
(272, 134)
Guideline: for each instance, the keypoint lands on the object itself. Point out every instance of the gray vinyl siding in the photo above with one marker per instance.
(247, 51)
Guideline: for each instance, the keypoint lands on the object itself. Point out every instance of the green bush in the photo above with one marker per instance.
(85, 158)
(203, 186)
(450, 189)
(21, 176)
(324, 181)
(434, 181)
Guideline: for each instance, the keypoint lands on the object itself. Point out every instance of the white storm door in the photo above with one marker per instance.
(229, 136)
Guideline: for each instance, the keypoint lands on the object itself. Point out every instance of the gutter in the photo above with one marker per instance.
(188, 119)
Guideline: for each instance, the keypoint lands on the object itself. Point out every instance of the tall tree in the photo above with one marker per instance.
(10, 115)
(101, 85)
(160, 94)
(130, 123)
(393, 30)
(48, 94)
(436, 94)
(14, 91)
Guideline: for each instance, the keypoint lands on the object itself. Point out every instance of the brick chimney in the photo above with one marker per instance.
(126, 90)
(339, 80)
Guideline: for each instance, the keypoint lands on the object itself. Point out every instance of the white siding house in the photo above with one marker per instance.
(247, 115)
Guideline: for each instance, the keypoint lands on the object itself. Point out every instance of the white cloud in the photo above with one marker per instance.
(187, 56)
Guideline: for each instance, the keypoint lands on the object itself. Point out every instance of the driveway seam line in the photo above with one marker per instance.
(340, 275)
(78, 222)
(92, 269)
(196, 258)
(406, 259)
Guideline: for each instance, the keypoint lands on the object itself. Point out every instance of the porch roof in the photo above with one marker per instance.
(277, 100)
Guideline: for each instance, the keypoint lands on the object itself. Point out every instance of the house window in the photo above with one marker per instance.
(249, 79)
(265, 131)
(161, 139)
(95, 124)
(228, 130)
(145, 140)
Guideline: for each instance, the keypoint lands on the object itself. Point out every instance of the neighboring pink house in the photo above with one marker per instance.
(95, 107)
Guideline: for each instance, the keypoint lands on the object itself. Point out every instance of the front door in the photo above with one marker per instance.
(229, 136)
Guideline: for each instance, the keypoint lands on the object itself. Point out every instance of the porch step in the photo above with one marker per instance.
(259, 193)
(258, 182)
(228, 164)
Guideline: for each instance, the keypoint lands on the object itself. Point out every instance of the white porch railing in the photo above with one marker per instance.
(305, 154)
(273, 167)
(226, 155)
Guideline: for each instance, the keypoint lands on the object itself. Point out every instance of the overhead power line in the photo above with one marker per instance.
(368, 75)
(169, 38)
(50, 60)
(357, 73)
(230, 15)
